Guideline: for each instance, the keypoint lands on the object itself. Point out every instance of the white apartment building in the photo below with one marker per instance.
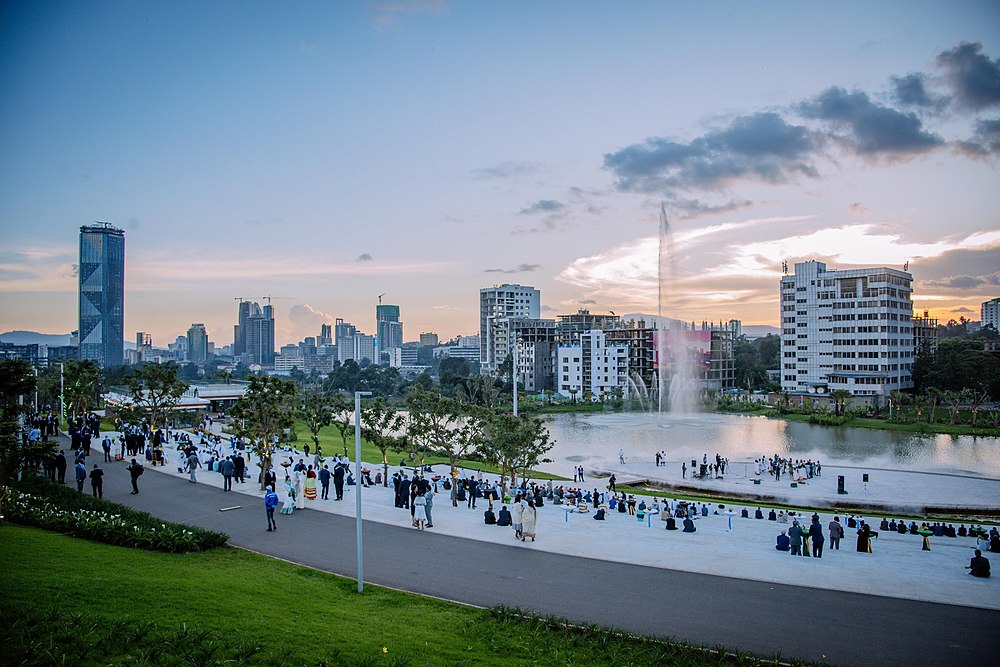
(357, 347)
(848, 329)
(499, 302)
(593, 366)
(989, 313)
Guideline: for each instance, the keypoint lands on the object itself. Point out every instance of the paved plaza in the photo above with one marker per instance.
(898, 567)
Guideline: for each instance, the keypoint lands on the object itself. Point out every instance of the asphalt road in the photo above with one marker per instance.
(761, 618)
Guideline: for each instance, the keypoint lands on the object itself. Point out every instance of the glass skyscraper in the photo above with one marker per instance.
(102, 294)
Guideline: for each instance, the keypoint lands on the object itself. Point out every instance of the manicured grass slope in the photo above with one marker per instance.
(210, 607)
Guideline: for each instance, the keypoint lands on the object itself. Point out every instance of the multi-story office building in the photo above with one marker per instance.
(325, 335)
(989, 314)
(428, 339)
(197, 343)
(253, 337)
(537, 346)
(925, 334)
(143, 345)
(357, 347)
(571, 326)
(102, 294)
(500, 302)
(343, 330)
(848, 329)
(593, 367)
(388, 328)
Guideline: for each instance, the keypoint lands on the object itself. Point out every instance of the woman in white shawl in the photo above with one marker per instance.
(518, 511)
(529, 521)
(300, 490)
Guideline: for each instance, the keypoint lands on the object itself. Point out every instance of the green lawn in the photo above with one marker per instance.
(69, 601)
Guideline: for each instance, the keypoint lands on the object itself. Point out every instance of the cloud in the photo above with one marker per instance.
(974, 78)
(521, 268)
(365, 257)
(543, 206)
(391, 13)
(759, 147)
(984, 142)
(857, 208)
(867, 128)
(505, 170)
(911, 91)
(964, 282)
(692, 208)
(304, 320)
(548, 309)
(588, 302)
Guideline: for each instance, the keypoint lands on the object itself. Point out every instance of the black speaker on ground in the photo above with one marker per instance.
(840, 485)
(864, 478)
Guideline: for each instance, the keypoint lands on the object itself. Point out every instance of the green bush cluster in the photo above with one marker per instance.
(40, 503)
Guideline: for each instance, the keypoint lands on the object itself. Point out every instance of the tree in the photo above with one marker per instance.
(514, 444)
(342, 412)
(155, 388)
(80, 383)
(933, 397)
(315, 409)
(840, 398)
(976, 399)
(262, 414)
(479, 390)
(437, 422)
(954, 400)
(381, 424)
(17, 382)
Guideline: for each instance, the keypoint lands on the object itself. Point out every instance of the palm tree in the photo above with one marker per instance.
(933, 397)
(840, 398)
(976, 398)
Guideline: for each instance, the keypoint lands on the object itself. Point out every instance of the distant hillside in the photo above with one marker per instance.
(759, 330)
(30, 337)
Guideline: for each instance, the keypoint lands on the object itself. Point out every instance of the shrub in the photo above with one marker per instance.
(43, 504)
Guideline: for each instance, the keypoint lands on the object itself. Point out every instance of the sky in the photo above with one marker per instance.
(324, 154)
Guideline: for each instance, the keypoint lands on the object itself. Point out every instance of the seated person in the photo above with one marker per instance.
(892, 526)
(504, 518)
(851, 522)
(884, 525)
(938, 529)
(539, 502)
(784, 542)
(979, 566)
(642, 506)
(640, 515)
(782, 517)
(962, 532)
(901, 528)
(949, 531)
(771, 516)
(745, 514)
(913, 528)
(758, 514)
(613, 502)
(489, 517)
(995, 544)
(704, 510)
(599, 514)
(622, 508)
(688, 526)
(672, 522)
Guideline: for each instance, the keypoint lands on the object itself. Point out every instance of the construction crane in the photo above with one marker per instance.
(268, 298)
(380, 298)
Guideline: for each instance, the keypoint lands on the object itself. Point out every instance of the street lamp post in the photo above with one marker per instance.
(513, 375)
(357, 486)
(62, 395)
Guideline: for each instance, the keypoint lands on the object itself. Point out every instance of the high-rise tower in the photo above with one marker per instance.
(102, 294)
(389, 330)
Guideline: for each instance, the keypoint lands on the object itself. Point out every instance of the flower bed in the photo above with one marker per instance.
(53, 507)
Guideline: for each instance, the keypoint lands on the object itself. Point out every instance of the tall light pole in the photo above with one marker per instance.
(62, 395)
(513, 375)
(357, 486)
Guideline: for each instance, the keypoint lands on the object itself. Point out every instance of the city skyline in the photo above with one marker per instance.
(330, 154)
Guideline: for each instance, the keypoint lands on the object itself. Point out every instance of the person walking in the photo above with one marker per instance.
(61, 466)
(97, 482)
(81, 474)
(192, 465)
(134, 471)
(529, 522)
(621, 456)
(270, 503)
(419, 511)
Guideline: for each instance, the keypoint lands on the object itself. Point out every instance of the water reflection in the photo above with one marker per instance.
(595, 437)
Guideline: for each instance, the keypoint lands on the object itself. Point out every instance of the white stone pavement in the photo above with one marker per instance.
(897, 568)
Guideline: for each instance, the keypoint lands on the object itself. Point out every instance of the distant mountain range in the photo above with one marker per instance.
(30, 337)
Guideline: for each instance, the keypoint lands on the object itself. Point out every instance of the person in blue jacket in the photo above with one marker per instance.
(270, 503)
(784, 542)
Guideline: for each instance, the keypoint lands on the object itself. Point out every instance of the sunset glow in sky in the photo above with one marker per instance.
(325, 153)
